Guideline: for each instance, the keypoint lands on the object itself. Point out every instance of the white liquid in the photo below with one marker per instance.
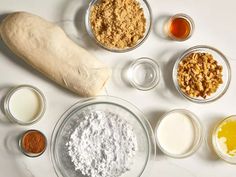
(176, 133)
(25, 104)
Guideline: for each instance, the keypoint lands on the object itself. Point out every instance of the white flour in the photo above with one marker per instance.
(103, 145)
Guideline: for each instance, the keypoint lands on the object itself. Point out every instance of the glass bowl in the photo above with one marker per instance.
(22, 146)
(147, 13)
(216, 145)
(69, 121)
(144, 74)
(182, 16)
(14, 118)
(220, 58)
(198, 129)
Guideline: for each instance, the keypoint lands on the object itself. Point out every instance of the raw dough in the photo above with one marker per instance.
(46, 47)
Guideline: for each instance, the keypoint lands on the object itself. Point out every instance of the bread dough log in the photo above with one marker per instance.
(47, 48)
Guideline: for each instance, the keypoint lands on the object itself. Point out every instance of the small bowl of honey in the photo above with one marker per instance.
(179, 27)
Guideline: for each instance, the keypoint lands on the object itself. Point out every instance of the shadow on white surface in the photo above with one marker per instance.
(120, 75)
(167, 62)
(11, 156)
(159, 26)
(231, 58)
(73, 23)
(3, 91)
(169, 169)
(153, 117)
(209, 152)
(11, 142)
(3, 15)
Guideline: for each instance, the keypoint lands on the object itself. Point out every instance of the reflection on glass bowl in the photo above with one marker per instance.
(144, 74)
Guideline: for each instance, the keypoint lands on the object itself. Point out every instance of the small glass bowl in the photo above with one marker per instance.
(216, 147)
(198, 134)
(183, 16)
(147, 13)
(220, 58)
(14, 119)
(144, 74)
(28, 153)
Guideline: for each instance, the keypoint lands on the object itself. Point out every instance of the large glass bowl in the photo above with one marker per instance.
(220, 58)
(147, 13)
(69, 121)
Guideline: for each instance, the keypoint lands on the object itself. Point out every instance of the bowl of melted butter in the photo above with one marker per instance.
(224, 139)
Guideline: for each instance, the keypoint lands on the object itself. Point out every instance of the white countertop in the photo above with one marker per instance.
(215, 26)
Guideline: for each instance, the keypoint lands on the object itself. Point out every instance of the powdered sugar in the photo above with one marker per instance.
(103, 144)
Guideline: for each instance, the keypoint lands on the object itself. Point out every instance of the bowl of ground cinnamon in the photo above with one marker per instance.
(33, 143)
(118, 25)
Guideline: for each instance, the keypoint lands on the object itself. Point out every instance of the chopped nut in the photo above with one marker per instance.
(199, 75)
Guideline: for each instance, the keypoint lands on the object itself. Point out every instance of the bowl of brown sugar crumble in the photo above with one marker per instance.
(118, 25)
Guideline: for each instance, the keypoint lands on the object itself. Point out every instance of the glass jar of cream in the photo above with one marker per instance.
(24, 104)
(179, 133)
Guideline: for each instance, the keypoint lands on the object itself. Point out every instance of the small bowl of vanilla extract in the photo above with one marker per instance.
(179, 27)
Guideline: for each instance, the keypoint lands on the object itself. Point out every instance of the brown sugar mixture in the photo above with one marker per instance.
(118, 23)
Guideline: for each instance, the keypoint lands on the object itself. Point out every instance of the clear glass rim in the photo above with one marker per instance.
(191, 50)
(141, 41)
(32, 154)
(157, 72)
(10, 115)
(186, 17)
(103, 99)
(214, 143)
(198, 137)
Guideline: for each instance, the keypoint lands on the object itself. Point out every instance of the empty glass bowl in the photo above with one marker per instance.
(220, 58)
(144, 74)
(147, 13)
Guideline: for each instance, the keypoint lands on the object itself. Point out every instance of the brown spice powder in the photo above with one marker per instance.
(33, 142)
(118, 23)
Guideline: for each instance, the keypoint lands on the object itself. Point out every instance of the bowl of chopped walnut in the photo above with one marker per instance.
(202, 74)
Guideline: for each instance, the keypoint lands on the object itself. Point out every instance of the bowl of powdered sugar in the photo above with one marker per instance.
(102, 137)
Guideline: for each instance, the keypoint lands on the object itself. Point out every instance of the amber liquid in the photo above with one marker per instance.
(179, 28)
